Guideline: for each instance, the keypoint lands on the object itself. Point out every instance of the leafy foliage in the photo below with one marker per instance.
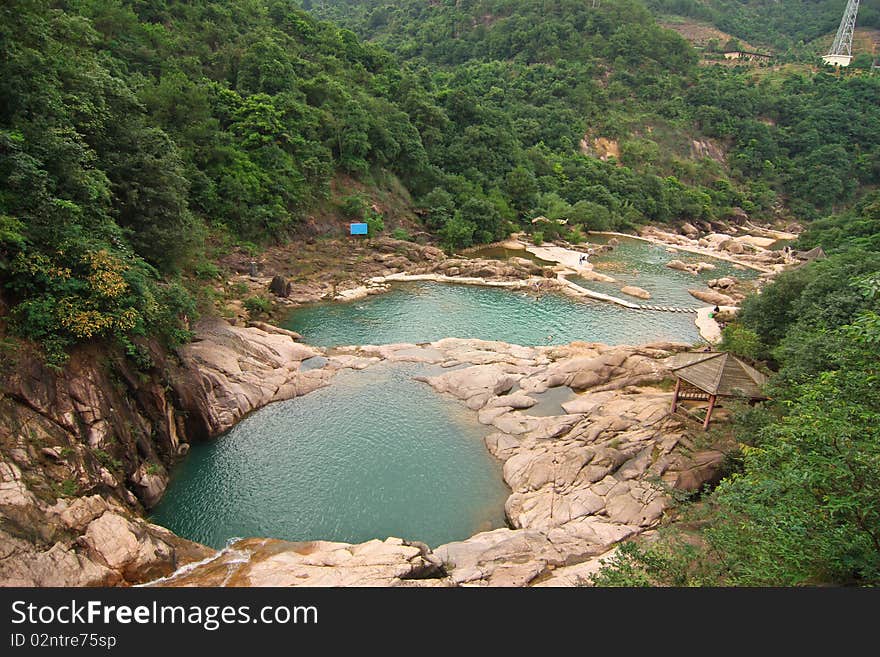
(137, 129)
(781, 24)
(804, 507)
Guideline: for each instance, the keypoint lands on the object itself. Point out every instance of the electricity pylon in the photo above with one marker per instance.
(841, 50)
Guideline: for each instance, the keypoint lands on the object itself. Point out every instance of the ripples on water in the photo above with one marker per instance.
(374, 455)
(643, 264)
(425, 312)
(377, 454)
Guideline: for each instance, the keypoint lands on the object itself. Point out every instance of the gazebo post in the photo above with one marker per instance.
(675, 394)
(709, 412)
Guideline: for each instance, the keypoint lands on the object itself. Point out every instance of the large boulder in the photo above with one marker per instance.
(280, 287)
(90, 541)
(722, 283)
(475, 385)
(235, 370)
(151, 482)
(680, 266)
(712, 296)
(733, 246)
(637, 292)
(696, 470)
(689, 230)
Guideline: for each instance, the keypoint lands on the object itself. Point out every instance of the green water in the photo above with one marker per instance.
(424, 312)
(377, 454)
(640, 263)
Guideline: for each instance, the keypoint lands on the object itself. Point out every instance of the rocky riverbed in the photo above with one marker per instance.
(84, 452)
(347, 270)
(581, 481)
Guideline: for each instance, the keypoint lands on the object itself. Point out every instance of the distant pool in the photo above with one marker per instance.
(643, 264)
(424, 312)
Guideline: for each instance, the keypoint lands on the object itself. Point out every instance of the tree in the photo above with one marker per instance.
(522, 188)
(151, 196)
(457, 232)
(440, 206)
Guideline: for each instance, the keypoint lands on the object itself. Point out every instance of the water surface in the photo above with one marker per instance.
(376, 454)
(643, 264)
(425, 312)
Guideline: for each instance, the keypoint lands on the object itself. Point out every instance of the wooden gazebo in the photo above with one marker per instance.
(709, 375)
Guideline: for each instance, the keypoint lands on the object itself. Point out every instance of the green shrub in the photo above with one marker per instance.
(375, 223)
(206, 270)
(576, 235)
(741, 340)
(256, 305)
(107, 460)
(538, 238)
(73, 295)
(250, 248)
(354, 207)
(401, 234)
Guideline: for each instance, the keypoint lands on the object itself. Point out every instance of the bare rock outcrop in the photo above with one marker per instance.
(270, 562)
(581, 481)
(83, 452)
(83, 541)
(635, 291)
(691, 268)
(713, 296)
(234, 370)
(723, 283)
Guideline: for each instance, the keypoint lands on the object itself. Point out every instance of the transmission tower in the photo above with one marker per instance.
(841, 50)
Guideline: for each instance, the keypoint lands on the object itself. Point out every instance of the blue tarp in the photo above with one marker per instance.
(358, 229)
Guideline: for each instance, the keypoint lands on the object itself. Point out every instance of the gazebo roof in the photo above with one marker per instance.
(718, 373)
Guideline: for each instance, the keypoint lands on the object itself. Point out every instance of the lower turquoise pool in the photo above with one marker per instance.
(376, 454)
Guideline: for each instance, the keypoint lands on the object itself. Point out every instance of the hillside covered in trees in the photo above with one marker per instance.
(132, 132)
(782, 26)
(801, 502)
(136, 137)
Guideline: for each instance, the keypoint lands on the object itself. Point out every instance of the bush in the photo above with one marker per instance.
(375, 222)
(457, 232)
(538, 238)
(742, 341)
(77, 294)
(401, 234)
(257, 305)
(576, 235)
(249, 248)
(354, 207)
(206, 270)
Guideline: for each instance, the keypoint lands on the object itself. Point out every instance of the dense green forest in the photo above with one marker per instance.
(779, 25)
(801, 505)
(134, 131)
(135, 136)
